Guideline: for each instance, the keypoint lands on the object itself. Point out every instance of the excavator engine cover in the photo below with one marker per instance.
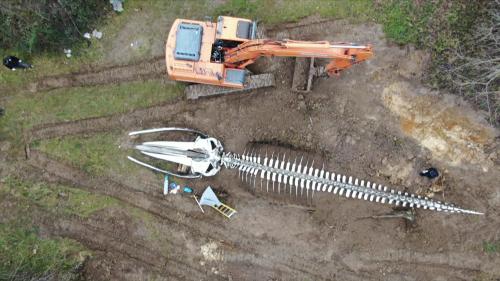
(188, 43)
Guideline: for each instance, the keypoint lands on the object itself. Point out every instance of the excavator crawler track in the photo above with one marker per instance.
(253, 82)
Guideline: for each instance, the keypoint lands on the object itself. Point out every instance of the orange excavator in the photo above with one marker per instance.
(215, 56)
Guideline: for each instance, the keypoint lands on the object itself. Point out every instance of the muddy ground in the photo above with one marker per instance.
(376, 121)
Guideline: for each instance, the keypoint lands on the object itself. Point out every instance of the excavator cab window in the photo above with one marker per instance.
(246, 30)
(235, 29)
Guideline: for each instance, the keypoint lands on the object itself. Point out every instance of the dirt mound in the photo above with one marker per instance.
(440, 125)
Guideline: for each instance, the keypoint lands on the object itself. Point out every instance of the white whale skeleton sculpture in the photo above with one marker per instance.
(206, 156)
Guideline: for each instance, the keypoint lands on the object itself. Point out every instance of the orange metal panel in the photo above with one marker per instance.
(202, 71)
(228, 30)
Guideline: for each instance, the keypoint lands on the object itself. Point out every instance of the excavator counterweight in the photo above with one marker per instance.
(217, 54)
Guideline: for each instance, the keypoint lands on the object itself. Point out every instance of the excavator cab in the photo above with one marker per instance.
(230, 33)
(195, 50)
(235, 29)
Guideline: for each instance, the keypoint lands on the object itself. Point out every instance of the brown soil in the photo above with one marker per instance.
(376, 121)
(150, 69)
(101, 124)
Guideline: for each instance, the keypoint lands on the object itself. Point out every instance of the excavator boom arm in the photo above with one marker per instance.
(342, 55)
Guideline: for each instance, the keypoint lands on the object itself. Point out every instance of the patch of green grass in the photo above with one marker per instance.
(11, 79)
(99, 154)
(105, 154)
(355, 11)
(275, 12)
(58, 198)
(26, 256)
(483, 276)
(398, 22)
(491, 247)
(25, 111)
(436, 25)
(238, 8)
(44, 65)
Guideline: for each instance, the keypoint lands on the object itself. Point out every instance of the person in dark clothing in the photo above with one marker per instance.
(12, 62)
(2, 111)
(430, 173)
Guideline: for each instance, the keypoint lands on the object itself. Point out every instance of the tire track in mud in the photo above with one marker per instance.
(118, 121)
(198, 228)
(450, 260)
(96, 236)
(58, 172)
(430, 270)
(303, 23)
(62, 173)
(461, 266)
(151, 69)
(102, 263)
